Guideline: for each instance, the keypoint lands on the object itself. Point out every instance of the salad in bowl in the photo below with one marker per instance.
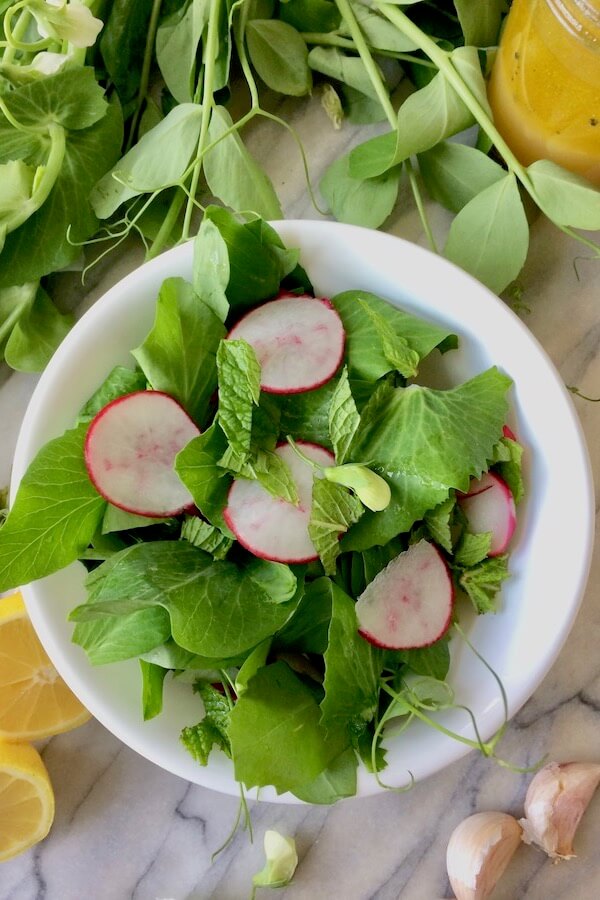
(276, 514)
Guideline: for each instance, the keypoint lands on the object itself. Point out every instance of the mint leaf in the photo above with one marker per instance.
(211, 268)
(343, 418)
(483, 582)
(365, 350)
(152, 689)
(54, 516)
(472, 548)
(334, 510)
(510, 467)
(179, 354)
(212, 730)
(352, 666)
(438, 522)
(239, 391)
(275, 733)
(396, 349)
(119, 381)
(206, 537)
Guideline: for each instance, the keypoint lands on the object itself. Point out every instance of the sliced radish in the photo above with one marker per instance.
(272, 528)
(508, 433)
(489, 507)
(130, 449)
(409, 603)
(299, 342)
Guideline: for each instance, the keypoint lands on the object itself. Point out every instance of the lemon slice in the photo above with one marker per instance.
(26, 799)
(34, 700)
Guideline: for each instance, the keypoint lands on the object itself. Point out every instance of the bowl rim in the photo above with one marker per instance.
(154, 271)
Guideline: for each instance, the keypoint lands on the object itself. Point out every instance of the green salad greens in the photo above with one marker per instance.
(291, 690)
(128, 117)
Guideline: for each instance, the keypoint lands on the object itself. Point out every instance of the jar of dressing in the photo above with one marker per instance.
(545, 83)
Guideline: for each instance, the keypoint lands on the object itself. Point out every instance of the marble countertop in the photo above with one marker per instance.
(126, 829)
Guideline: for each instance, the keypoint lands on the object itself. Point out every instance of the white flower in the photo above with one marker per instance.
(48, 63)
(282, 860)
(66, 21)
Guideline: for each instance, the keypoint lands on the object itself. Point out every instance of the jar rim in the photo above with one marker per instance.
(580, 17)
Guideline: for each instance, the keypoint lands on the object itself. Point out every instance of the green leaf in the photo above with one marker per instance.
(275, 733)
(239, 391)
(54, 516)
(275, 579)
(36, 335)
(177, 40)
(119, 381)
(360, 109)
(255, 661)
(350, 70)
(366, 202)
(510, 469)
(109, 638)
(438, 523)
(334, 510)
(480, 22)
(71, 98)
(396, 348)
(337, 781)
(343, 418)
(472, 548)
(483, 582)
(179, 354)
(152, 689)
(170, 655)
(157, 161)
(206, 537)
(352, 667)
(212, 730)
(122, 43)
(211, 268)
(455, 173)
(306, 416)
(379, 31)
(433, 661)
(311, 15)
(14, 303)
(279, 55)
(490, 235)
(564, 197)
(197, 466)
(116, 519)
(89, 153)
(255, 269)
(308, 629)
(365, 350)
(232, 173)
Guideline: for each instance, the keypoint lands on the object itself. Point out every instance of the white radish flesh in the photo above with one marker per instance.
(299, 342)
(272, 528)
(130, 449)
(409, 603)
(489, 507)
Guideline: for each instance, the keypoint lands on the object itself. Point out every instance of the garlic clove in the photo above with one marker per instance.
(479, 851)
(555, 801)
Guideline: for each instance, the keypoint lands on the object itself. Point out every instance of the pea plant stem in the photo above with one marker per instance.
(145, 73)
(337, 40)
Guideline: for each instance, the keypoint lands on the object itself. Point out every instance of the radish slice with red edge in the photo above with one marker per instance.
(507, 432)
(409, 603)
(130, 449)
(489, 506)
(299, 342)
(268, 526)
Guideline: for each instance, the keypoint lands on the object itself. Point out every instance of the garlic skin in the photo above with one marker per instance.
(479, 851)
(555, 801)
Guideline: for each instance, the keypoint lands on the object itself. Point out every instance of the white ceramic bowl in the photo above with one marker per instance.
(551, 549)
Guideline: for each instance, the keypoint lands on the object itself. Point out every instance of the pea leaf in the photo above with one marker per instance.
(396, 348)
(232, 173)
(119, 381)
(122, 43)
(334, 510)
(311, 15)
(352, 667)
(37, 334)
(116, 519)
(279, 55)
(179, 354)
(366, 202)
(275, 733)
(566, 198)
(197, 466)
(55, 514)
(433, 661)
(177, 40)
(308, 629)
(490, 235)
(343, 418)
(211, 268)
(480, 22)
(454, 173)
(337, 781)
(306, 416)
(350, 70)
(152, 689)
(158, 160)
(89, 153)
(71, 98)
(111, 638)
(380, 32)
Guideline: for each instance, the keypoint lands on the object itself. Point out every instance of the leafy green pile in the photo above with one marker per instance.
(184, 79)
(290, 690)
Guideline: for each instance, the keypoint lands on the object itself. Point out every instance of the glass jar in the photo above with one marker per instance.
(545, 83)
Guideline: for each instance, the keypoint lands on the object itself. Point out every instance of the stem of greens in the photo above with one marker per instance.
(50, 172)
(14, 35)
(416, 191)
(12, 319)
(238, 33)
(575, 390)
(167, 224)
(210, 51)
(145, 74)
(336, 40)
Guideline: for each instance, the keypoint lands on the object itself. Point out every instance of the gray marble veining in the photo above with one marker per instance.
(126, 830)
